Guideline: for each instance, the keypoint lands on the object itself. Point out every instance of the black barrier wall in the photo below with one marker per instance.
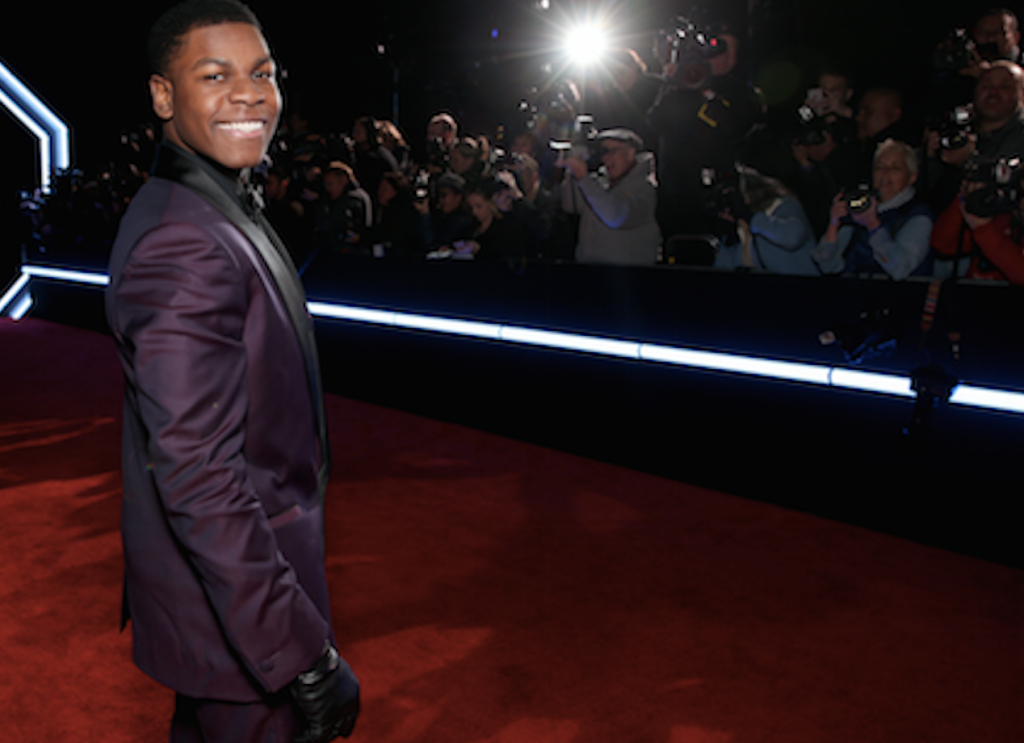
(837, 453)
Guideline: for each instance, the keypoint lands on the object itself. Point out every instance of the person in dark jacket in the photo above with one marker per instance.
(225, 458)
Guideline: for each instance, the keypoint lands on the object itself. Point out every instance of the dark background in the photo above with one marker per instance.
(87, 60)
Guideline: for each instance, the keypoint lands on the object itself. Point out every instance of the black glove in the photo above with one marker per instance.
(327, 695)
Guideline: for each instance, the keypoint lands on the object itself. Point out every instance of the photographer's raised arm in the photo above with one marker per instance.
(618, 209)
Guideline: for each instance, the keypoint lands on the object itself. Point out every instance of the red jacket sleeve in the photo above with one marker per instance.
(947, 230)
(996, 242)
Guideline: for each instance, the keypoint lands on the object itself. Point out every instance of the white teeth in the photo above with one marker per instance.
(242, 126)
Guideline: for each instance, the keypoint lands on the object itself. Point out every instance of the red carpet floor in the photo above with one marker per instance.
(489, 591)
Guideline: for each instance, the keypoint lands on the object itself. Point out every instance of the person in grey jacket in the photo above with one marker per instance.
(616, 205)
(773, 232)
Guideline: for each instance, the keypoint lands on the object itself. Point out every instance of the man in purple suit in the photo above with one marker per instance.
(225, 457)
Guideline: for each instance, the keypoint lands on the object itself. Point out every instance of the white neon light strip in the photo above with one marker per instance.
(982, 397)
(45, 169)
(886, 384)
(793, 371)
(55, 139)
(21, 308)
(65, 274)
(16, 287)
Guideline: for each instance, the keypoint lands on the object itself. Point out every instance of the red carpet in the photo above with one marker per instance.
(489, 591)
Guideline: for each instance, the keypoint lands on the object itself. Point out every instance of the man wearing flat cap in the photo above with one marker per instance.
(616, 204)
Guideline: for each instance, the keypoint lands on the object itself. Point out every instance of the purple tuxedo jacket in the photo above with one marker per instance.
(224, 445)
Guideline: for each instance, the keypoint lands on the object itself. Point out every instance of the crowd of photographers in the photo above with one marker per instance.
(685, 166)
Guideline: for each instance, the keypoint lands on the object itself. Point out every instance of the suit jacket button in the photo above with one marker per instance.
(267, 666)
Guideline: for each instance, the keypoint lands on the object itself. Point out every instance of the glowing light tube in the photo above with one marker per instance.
(356, 314)
(20, 283)
(717, 361)
(471, 328)
(53, 134)
(21, 307)
(65, 274)
(981, 397)
(886, 384)
(45, 155)
(570, 341)
(772, 368)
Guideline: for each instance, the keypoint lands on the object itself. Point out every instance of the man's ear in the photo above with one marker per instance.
(162, 93)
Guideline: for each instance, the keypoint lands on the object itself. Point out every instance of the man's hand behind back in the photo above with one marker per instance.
(327, 695)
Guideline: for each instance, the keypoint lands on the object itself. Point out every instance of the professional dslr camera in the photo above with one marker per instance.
(421, 190)
(580, 142)
(955, 127)
(724, 201)
(859, 198)
(551, 104)
(997, 186)
(811, 129)
(723, 195)
(957, 52)
(437, 155)
(689, 48)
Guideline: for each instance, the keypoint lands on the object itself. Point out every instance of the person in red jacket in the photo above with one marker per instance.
(990, 247)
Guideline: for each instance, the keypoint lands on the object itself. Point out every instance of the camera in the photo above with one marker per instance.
(421, 186)
(957, 52)
(811, 128)
(437, 154)
(997, 187)
(501, 159)
(689, 48)
(859, 198)
(580, 143)
(955, 127)
(552, 104)
(723, 194)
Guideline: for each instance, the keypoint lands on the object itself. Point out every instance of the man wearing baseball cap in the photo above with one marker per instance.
(616, 204)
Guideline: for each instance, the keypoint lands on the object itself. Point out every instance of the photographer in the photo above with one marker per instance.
(371, 159)
(991, 242)
(345, 215)
(468, 160)
(616, 204)
(885, 233)
(822, 149)
(536, 208)
(621, 91)
(702, 114)
(394, 218)
(442, 133)
(997, 132)
(832, 98)
(496, 236)
(772, 230)
(449, 222)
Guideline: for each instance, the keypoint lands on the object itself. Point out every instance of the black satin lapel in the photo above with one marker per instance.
(178, 166)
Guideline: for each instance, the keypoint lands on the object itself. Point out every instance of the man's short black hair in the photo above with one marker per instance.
(165, 38)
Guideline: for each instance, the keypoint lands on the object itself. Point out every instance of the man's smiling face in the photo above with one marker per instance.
(219, 96)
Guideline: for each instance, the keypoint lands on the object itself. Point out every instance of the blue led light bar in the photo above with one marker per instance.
(53, 134)
(781, 369)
